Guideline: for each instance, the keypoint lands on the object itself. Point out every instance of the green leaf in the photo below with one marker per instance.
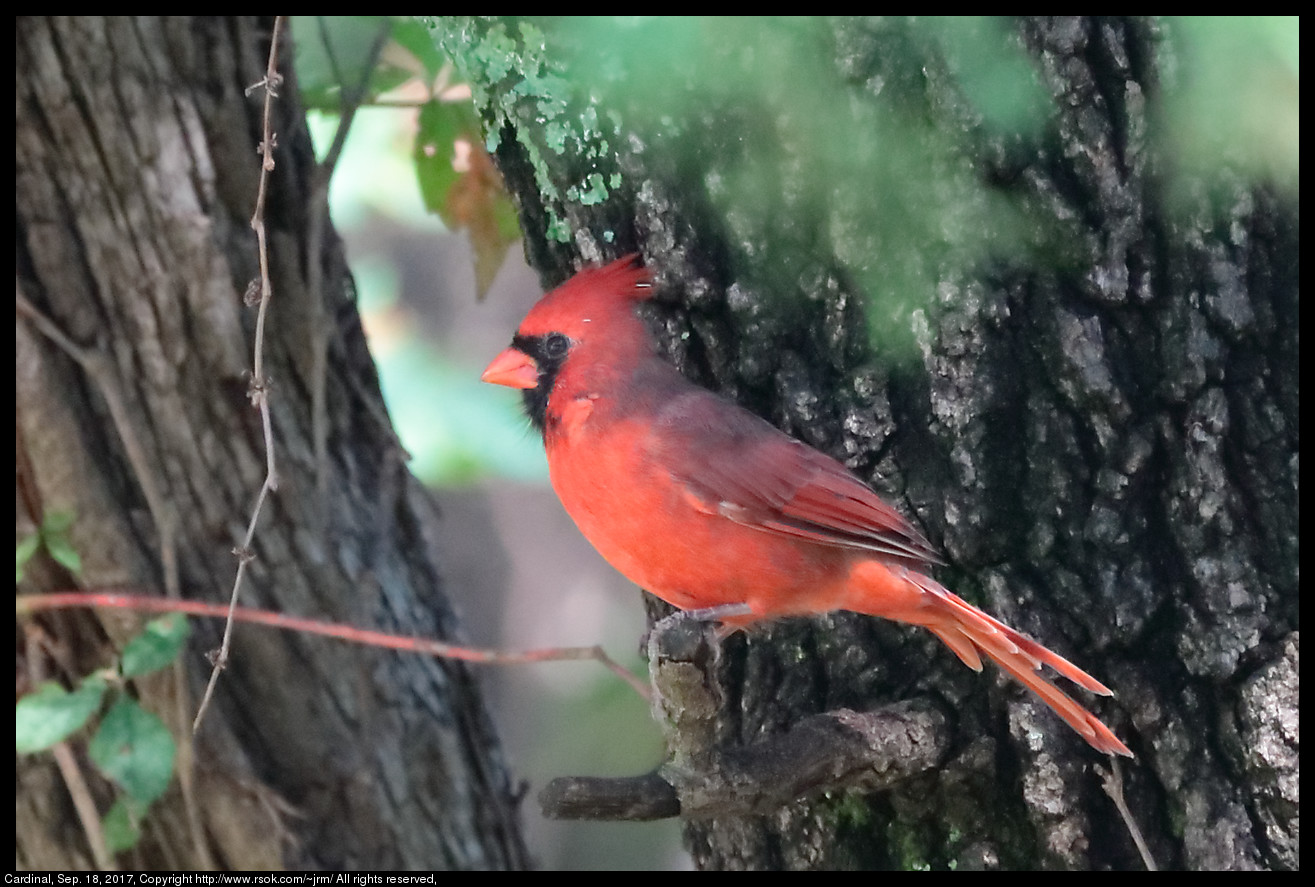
(416, 39)
(51, 714)
(54, 535)
(56, 523)
(134, 748)
(23, 553)
(122, 824)
(156, 647)
(61, 549)
(440, 125)
(331, 55)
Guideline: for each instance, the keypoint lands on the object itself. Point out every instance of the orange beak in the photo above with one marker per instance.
(512, 368)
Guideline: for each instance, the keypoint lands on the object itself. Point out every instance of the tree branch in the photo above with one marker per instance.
(838, 750)
(259, 389)
(835, 750)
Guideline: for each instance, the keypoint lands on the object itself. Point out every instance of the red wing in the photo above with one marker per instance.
(737, 465)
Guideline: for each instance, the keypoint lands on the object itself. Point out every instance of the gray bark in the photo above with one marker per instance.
(1105, 446)
(136, 176)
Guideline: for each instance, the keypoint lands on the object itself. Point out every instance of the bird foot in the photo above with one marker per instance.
(685, 628)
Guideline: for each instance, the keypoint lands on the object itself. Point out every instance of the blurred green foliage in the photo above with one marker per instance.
(334, 51)
(1232, 97)
(393, 171)
(817, 139)
(456, 428)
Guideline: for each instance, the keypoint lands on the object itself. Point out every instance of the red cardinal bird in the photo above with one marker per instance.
(708, 506)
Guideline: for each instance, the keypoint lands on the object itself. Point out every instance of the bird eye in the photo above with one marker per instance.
(555, 345)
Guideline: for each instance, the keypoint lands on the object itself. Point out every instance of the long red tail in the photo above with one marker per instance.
(966, 630)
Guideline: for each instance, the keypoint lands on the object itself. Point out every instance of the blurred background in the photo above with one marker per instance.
(517, 569)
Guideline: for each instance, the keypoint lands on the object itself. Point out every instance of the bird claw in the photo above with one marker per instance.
(667, 631)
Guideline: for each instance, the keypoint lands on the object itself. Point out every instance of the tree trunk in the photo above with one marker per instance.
(1099, 428)
(137, 173)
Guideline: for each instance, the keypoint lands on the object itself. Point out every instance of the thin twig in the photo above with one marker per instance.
(32, 603)
(351, 100)
(259, 391)
(83, 803)
(1112, 782)
(320, 330)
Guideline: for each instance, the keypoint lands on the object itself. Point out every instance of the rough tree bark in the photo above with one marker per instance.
(136, 177)
(1105, 446)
